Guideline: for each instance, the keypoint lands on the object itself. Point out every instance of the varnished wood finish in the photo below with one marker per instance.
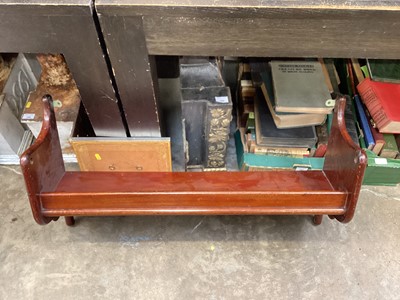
(193, 193)
(54, 192)
(135, 29)
(70, 221)
(317, 219)
(312, 28)
(345, 162)
(65, 27)
(42, 164)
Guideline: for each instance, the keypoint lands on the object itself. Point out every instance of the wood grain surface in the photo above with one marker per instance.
(123, 155)
(135, 73)
(266, 28)
(68, 29)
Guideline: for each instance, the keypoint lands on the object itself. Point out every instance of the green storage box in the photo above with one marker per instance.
(381, 171)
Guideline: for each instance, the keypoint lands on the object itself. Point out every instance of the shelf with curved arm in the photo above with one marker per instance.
(54, 192)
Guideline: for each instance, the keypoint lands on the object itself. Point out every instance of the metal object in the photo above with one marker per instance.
(14, 139)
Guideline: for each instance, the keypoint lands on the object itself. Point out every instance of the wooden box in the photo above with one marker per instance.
(114, 154)
(123, 154)
(57, 81)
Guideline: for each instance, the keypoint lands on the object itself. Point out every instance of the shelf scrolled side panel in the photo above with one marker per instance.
(345, 162)
(42, 164)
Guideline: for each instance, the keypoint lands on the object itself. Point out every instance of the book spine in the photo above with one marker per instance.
(371, 100)
(390, 149)
(379, 140)
(351, 120)
(321, 150)
(281, 151)
(368, 138)
(323, 136)
(397, 138)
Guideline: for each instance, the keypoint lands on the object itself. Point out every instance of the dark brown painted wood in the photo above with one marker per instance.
(265, 28)
(54, 192)
(371, 4)
(66, 28)
(134, 73)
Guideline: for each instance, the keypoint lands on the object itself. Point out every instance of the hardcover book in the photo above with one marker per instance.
(386, 70)
(267, 134)
(287, 151)
(383, 102)
(300, 87)
(397, 138)
(323, 137)
(350, 121)
(378, 138)
(286, 120)
(363, 121)
(390, 149)
(256, 162)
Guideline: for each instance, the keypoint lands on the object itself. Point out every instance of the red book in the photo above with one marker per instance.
(379, 140)
(323, 136)
(383, 102)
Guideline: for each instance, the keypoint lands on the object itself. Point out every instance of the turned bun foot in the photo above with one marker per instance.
(317, 219)
(70, 221)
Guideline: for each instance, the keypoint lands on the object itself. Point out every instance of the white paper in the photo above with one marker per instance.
(302, 169)
(380, 161)
(222, 99)
(28, 116)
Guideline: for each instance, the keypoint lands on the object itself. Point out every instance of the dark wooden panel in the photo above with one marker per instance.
(267, 28)
(315, 37)
(75, 36)
(256, 3)
(134, 74)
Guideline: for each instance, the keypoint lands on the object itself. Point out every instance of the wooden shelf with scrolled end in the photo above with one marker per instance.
(54, 192)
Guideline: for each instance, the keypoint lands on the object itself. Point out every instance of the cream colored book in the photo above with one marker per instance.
(300, 87)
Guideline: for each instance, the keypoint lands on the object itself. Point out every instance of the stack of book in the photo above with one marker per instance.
(375, 85)
(290, 99)
(378, 105)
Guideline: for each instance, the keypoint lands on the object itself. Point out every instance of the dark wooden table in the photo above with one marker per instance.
(135, 30)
